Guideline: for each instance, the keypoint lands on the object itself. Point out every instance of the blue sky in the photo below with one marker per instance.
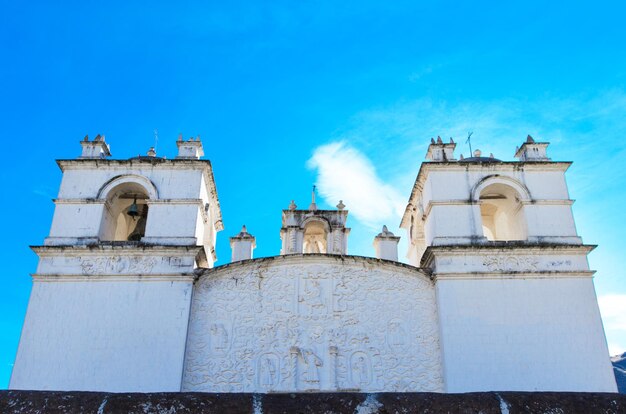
(288, 94)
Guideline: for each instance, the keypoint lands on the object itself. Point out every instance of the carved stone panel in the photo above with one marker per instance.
(313, 325)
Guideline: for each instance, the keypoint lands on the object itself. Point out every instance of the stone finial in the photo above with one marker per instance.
(313, 206)
(242, 245)
(151, 152)
(341, 205)
(438, 151)
(190, 150)
(532, 150)
(477, 153)
(96, 149)
(292, 205)
(386, 245)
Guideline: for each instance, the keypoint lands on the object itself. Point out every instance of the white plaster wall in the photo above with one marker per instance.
(456, 181)
(450, 219)
(311, 323)
(171, 182)
(450, 183)
(173, 220)
(522, 335)
(77, 219)
(550, 220)
(104, 336)
(546, 184)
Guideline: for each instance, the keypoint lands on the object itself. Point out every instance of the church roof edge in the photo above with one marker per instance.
(312, 256)
(63, 163)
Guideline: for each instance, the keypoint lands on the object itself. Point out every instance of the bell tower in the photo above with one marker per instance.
(112, 290)
(516, 302)
(313, 230)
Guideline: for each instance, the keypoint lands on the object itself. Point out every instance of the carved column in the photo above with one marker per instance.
(294, 351)
(332, 367)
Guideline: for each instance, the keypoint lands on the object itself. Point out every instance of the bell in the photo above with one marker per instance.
(133, 210)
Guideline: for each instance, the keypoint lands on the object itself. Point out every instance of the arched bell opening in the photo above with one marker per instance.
(502, 213)
(315, 239)
(125, 213)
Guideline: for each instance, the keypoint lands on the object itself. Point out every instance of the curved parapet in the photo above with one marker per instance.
(313, 323)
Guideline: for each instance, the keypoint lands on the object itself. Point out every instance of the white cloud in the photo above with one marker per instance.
(613, 310)
(344, 173)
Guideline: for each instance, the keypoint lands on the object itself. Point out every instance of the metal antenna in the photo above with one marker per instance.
(156, 139)
(469, 141)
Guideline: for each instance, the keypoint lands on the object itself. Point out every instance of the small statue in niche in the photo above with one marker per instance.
(267, 372)
(360, 371)
(313, 363)
(313, 296)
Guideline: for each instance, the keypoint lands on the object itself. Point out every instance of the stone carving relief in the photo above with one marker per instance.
(360, 370)
(337, 242)
(324, 326)
(268, 371)
(117, 264)
(510, 263)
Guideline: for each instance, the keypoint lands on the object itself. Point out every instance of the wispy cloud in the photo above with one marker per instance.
(343, 172)
(613, 309)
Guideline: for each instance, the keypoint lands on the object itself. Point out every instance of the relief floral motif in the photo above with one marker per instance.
(510, 263)
(117, 264)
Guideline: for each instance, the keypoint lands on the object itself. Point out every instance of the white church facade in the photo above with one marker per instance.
(497, 295)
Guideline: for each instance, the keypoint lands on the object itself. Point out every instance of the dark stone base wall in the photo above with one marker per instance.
(485, 403)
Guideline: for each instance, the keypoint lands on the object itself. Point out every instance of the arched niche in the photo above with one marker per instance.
(126, 208)
(502, 212)
(315, 236)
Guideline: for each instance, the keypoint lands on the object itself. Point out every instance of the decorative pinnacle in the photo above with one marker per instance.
(313, 206)
(292, 205)
(385, 232)
(341, 205)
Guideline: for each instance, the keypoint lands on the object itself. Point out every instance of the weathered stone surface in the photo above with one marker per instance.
(24, 402)
(302, 323)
